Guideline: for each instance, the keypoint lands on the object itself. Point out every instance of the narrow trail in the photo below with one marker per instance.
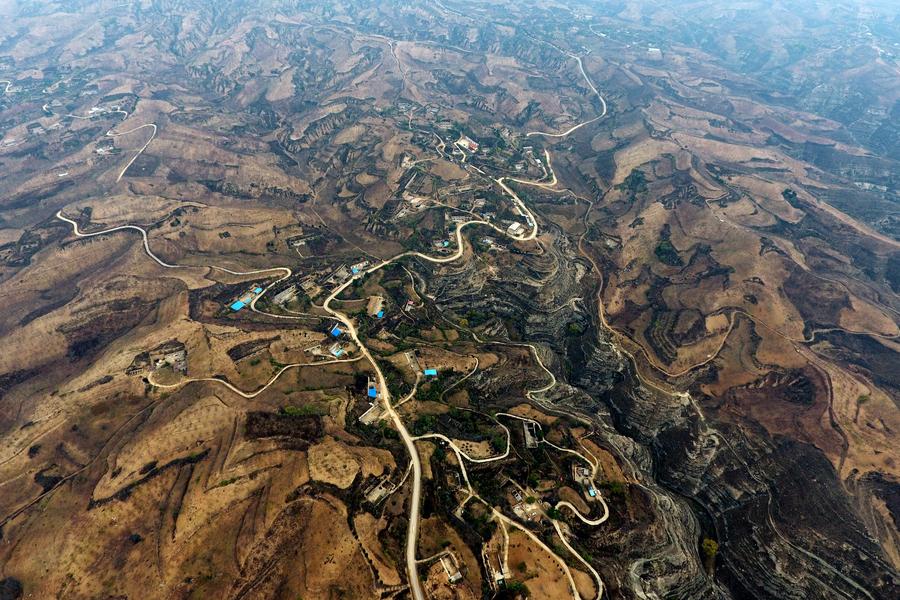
(416, 468)
(460, 454)
(461, 457)
(112, 134)
(458, 382)
(714, 354)
(287, 272)
(594, 464)
(384, 392)
(250, 395)
(562, 537)
(139, 152)
(660, 368)
(412, 392)
(593, 89)
(732, 317)
(412, 537)
(623, 348)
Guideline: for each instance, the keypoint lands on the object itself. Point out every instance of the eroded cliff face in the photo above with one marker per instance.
(708, 306)
(785, 524)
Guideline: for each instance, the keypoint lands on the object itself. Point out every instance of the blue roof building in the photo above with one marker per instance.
(257, 290)
(592, 492)
(373, 392)
(431, 372)
(237, 306)
(335, 331)
(379, 314)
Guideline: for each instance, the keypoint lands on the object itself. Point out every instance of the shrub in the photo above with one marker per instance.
(307, 410)
(710, 547)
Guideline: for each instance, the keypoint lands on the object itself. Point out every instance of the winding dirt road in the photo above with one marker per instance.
(384, 392)
(112, 134)
(139, 152)
(593, 89)
(416, 467)
(260, 390)
(412, 535)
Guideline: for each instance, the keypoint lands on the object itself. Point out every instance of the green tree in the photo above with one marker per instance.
(710, 547)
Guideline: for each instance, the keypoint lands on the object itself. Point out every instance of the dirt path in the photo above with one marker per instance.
(416, 468)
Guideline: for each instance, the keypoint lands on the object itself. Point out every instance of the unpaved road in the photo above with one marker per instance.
(415, 504)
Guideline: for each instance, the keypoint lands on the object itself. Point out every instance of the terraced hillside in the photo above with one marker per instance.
(449, 299)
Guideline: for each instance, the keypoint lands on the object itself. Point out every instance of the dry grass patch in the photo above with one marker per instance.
(332, 462)
(540, 571)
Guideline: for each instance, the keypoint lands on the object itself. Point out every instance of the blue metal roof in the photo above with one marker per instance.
(335, 331)
(373, 392)
(379, 314)
(237, 306)
(257, 290)
(431, 372)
